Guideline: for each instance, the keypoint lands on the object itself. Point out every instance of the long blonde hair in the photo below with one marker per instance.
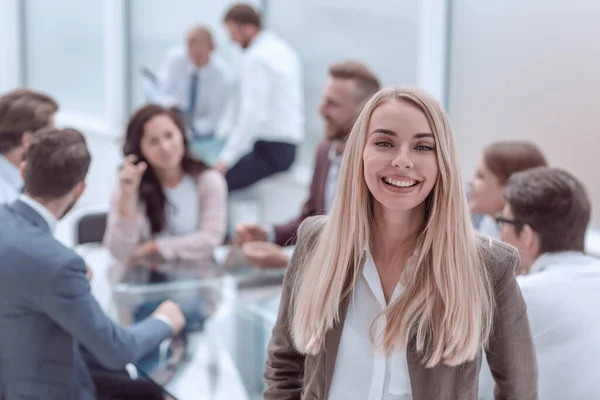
(448, 304)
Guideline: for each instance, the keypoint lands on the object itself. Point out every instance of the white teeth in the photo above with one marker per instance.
(400, 183)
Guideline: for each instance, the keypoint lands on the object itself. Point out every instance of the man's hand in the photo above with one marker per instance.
(171, 310)
(265, 255)
(222, 168)
(89, 274)
(246, 232)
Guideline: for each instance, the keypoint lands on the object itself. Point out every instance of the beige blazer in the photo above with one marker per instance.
(291, 375)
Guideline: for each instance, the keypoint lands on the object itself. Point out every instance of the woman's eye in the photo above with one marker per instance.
(383, 144)
(424, 147)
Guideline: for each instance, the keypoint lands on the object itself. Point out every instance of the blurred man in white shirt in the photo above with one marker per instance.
(22, 113)
(270, 120)
(546, 216)
(199, 85)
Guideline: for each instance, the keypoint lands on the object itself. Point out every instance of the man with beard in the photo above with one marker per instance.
(48, 314)
(269, 121)
(348, 88)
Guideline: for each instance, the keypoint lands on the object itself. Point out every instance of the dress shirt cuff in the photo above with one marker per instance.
(271, 235)
(164, 319)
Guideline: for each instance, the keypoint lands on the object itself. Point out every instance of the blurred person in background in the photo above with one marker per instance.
(22, 113)
(349, 86)
(498, 162)
(168, 204)
(48, 314)
(545, 217)
(199, 86)
(270, 119)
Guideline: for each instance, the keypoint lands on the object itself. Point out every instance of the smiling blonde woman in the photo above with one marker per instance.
(394, 296)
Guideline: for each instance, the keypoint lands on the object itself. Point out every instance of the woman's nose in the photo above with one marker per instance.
(164, 145)
(402, 160)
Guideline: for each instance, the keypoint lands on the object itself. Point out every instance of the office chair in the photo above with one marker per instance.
(89, 228)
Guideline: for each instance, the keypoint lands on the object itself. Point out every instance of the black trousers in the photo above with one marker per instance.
(266, 159)
(119, 386)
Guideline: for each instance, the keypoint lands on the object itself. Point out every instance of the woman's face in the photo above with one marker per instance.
(487, 193)
(162, 143)
(400, 162)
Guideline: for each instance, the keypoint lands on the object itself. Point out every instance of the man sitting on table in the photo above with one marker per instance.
(348, 88)
(546, 216)
(47, 311)
(269, 121)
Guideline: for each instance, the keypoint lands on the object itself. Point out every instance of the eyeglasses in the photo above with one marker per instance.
(500, 220)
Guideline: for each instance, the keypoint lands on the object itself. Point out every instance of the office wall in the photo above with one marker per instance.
(528, 70)
(58, 60)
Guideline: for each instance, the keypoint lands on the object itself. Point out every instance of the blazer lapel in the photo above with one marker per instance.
(23, 210)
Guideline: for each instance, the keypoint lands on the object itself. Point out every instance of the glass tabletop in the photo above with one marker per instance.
(169, 279)
(224, 340)
(229, 306)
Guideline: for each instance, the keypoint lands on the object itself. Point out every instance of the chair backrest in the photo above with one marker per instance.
(90, 228)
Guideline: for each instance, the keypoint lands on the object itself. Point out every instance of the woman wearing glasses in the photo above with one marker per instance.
(498, 162)
(393, 296)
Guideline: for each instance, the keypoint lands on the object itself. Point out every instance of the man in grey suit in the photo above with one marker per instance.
(47, 312)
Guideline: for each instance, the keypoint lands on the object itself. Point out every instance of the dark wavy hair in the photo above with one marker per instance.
(150, 191)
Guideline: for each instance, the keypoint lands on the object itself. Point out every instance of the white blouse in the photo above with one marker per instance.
(361, 371)
(183, 206)
(182, 209)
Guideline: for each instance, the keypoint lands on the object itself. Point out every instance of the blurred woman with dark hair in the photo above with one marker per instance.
(168, 203)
